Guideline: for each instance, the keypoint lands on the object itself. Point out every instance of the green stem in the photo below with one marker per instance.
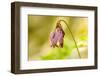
(72, 37)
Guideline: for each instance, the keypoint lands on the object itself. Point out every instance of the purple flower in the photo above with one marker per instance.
(55, 37)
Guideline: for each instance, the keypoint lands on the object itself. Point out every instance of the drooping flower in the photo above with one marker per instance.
(57, 36)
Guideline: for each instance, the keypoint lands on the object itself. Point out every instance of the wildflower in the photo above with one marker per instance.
(57, 36)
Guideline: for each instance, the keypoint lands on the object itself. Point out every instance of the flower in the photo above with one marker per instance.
(57, 36)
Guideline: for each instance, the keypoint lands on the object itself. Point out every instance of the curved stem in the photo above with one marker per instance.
(72, 37)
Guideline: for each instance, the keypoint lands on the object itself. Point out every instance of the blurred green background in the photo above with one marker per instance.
(39, 28)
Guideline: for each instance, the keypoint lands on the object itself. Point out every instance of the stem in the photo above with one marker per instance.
(72, 36)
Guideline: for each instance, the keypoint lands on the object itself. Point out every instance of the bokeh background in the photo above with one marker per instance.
(39, 28)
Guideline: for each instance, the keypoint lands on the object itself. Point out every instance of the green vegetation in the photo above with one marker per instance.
(39, 28)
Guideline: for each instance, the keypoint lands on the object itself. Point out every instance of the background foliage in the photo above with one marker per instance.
(39, 28)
